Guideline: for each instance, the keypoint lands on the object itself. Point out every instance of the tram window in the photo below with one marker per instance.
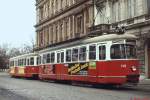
(24, 61)
(52, 57)
(28, 62)
(92, 52)
(16, 63)
(58, 57)
(31, 61)
(37, 61)
(19, 62)
(123, 51)
(44, 59)
(131, 51)
(102, 52)
(68, 55)
(40, 60)
(75, 54)
(62, 57)
(48, 58)
(11, 63)
(82, 54)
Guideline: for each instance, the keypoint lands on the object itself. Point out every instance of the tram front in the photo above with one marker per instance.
(123, 66)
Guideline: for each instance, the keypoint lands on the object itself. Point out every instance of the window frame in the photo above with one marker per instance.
(92, 51)
(68, 61)
(73, 55)
(48, 58)
(32, 61)
(83, 53)
(105, 53)
(53, 57)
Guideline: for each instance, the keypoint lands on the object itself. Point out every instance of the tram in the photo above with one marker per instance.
(107, 59)
(24, 66)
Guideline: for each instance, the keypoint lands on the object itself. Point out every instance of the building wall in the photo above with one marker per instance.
(61, 20)
(134, 14)
(112, 11)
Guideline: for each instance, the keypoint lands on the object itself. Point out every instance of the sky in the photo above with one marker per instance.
(17, 20)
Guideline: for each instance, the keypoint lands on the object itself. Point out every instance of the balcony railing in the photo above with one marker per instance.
(98, 30)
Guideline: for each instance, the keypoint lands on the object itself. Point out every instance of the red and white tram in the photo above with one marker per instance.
(106, 59)
(24, 66)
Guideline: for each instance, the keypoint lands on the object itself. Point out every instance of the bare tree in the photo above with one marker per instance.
(4, 57)
(6, 52)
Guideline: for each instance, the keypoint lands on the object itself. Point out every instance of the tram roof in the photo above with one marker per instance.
(102, 38)
(24, 55)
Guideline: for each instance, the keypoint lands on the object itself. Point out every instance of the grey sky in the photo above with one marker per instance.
(17, 20)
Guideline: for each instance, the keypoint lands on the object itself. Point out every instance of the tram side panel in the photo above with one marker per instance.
(92, 72)
(12, 71)
(118, 72)
(31, 71)
(61, 72)
(19, 72)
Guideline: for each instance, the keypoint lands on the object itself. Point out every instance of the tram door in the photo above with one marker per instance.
(60, 69)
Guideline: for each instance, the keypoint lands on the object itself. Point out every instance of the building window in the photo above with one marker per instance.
(87, 16)
(41, 39)
(56, 5)
(61, 31)
(67, 3)
(80, 24)
(92, 52)
(41, 13)
(61, 4)
(38, 15)
(47, 34)
(71, 26)
(131, 6)
(52, 6)
(52, 34)
(82, 54)
(66, 28)
(148, 6)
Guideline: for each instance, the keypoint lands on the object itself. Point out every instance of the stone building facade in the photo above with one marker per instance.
(135, 16)
(64, 20)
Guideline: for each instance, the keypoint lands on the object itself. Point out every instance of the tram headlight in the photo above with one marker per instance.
(133, 68)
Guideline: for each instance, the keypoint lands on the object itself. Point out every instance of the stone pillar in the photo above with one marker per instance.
(146, 60)
(148, 67)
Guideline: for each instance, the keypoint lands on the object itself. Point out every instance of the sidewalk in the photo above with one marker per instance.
(144, 84)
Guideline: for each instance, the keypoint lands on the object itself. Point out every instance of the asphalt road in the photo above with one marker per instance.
(23, 89)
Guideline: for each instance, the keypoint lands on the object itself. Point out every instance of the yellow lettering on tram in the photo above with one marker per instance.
(77, 67)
